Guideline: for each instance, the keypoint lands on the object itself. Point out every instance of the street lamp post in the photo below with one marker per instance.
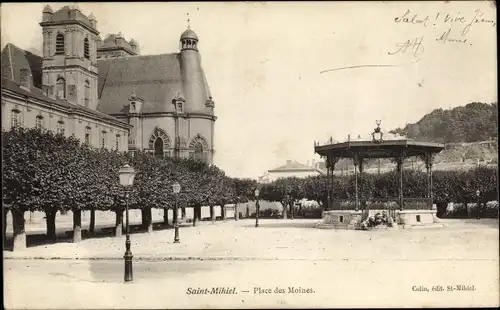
(257, 207)
(478, 194)
(176, 188)
(127, 175)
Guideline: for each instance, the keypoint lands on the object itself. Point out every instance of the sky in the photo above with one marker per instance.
(270, 66)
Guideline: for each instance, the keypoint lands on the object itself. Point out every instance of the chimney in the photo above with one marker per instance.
(288, 161)
(308, 163)
(313, 163)
(47, 13)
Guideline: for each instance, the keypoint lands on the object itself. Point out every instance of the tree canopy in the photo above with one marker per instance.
(47, 171)
(471, 123)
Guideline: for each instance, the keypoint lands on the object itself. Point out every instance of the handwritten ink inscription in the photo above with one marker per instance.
(414, 45)
(451, 28)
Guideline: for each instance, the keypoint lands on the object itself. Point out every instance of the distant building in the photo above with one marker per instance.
(291, 169)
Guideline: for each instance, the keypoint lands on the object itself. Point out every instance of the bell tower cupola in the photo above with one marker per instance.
(189, 39)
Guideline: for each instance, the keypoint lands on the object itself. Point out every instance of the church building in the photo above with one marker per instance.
(106, 93)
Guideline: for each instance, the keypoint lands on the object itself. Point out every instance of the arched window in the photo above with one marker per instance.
(198, 152)
(39, 122)
(87, 135)
(60, 50)
(60, 127)
(198, 148)
(87, 93)
(86, 52)
(15, 118)
(159, 147)
(61, 88)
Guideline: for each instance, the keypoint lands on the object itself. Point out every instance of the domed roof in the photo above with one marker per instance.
(189, 34)
(92, 16)
(133, 42)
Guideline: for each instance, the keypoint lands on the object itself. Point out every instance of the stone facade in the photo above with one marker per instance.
(107, 95)
(341, 219)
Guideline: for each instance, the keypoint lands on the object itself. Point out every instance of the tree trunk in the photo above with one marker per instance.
(77, 225)
(149, 220)
(144, 217)
(223, 212)
(195, 217)
(183, 209)
(247, 214)
(199, 213)
(19, 231)
(165, 217)
(50, 220)
(118, 223)
(236, 214)
(4, 222)
(285, 211)
(92, 222)
(212, 214)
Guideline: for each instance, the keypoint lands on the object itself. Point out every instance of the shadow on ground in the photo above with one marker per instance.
(66, 236)
(485, 222)
(284, 224)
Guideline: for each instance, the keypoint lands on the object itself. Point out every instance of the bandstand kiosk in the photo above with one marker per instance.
(402, 212)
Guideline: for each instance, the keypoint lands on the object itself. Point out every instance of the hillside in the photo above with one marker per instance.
(472, 123)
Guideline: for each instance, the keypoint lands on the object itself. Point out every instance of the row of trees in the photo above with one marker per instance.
(448, 186)
(48, 172)
(43, 171)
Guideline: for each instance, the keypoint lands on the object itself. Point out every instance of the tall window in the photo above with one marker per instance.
(198, 152)
(86, 52)
(60, 127)
(39, 122)
(87, 93)
(61, 88)
(103, 139)
(159, 147)
(60, 44)
(87, 135)
(15, 118)
(117, 142)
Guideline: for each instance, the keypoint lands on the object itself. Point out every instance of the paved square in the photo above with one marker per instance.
(282, 262)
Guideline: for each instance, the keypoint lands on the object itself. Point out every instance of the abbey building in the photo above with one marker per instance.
(106, 93)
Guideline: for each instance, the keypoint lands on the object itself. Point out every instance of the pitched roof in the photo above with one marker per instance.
(155, 78)
(111, 42)
(293, 166)
(66, 13)
(14, 59)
